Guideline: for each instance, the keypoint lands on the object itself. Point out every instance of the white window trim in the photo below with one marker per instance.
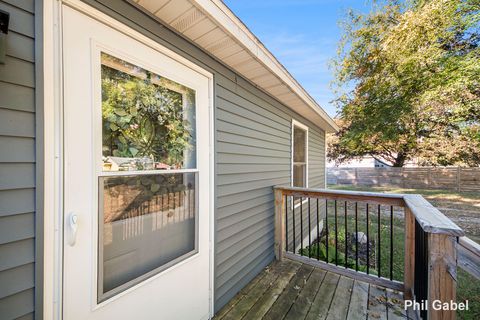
(302, 126)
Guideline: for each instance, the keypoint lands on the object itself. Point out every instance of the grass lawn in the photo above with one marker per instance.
(462, 208)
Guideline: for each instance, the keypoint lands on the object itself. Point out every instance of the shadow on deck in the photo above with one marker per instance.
(292, 290)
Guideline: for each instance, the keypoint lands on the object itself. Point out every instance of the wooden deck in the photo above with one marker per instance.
(291, 290)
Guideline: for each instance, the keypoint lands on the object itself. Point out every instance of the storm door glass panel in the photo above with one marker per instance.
(148, 120)
(148, 185)
(299, 157)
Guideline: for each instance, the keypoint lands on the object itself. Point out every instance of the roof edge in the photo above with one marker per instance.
(231, 24)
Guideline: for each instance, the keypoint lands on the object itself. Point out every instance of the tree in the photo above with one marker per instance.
(408, 83)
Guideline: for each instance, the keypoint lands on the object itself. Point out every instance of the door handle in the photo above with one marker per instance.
(72, 223)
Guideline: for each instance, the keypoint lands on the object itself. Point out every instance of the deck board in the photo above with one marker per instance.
(226, 309)
(305, 298)
(323, 299)
(358, 301)
(281, 307)
(245, 304)
(291, 290)
(264, 304)
(339, 307)
(395, 307)
(377, 303)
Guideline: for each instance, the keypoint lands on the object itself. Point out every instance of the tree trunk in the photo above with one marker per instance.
(400, 160)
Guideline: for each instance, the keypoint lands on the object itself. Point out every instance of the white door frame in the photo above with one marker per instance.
(53, 144)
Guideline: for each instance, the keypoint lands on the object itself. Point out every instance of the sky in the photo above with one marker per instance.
(303, 35)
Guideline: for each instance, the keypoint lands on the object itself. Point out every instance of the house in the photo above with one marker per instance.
(156, 158)
(179, 234)
(370, 162)
(362, 162)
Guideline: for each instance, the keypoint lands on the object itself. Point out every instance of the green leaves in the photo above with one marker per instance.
(133, 151)
(120, 112)
(113, 126)
(133, 111)
(414, 69)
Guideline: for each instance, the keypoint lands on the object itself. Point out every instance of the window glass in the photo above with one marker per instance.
(299, 175)
(299, 157)
(146, 222)
(299, 144)
(148, 120)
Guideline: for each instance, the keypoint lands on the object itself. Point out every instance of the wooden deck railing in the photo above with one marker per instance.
(364, 235)
(469, 256)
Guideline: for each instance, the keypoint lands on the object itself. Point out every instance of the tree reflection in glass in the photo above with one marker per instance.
(148, 121)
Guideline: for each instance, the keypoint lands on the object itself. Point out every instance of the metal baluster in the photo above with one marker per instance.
(336, 234)
(326, 228)
(309, 231)
(368, 246)
(286, 223)
(346, 237)
(301, 225)
(391, 242)
(293, 216)
(379, 243)
(356, 236)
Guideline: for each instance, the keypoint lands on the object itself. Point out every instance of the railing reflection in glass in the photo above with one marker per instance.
(146, 223)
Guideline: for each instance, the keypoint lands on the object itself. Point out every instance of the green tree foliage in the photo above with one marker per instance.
(408, 83)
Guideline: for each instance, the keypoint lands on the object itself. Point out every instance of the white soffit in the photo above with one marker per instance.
(212, 26)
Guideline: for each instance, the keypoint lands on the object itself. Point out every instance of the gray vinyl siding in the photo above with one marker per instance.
(17, 164)
(316, 158)
(252, 154)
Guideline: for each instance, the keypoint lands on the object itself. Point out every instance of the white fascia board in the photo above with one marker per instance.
(231, 24)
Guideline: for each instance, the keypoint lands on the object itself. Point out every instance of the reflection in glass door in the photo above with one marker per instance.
(148, 185)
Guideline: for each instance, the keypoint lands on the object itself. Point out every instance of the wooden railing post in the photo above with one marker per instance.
(409, 271)
(442, 274)
(279, 224)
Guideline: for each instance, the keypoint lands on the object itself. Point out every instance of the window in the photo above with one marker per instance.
(148, 120)
(148, 200)
(299, 155)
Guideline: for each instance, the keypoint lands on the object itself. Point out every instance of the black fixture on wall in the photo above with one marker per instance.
(4, 20)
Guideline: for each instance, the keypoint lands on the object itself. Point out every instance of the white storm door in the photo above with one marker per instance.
(136, 178)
